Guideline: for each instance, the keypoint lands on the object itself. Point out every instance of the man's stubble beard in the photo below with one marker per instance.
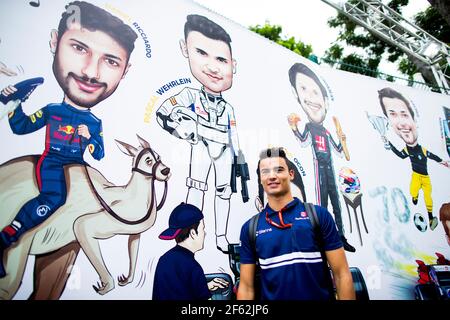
(63, 81)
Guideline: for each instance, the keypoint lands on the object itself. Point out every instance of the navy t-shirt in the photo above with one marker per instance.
(290, 261)
(179, 276)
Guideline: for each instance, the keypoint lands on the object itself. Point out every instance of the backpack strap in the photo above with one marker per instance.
(252, 232)
(312, 214)
(252, 236)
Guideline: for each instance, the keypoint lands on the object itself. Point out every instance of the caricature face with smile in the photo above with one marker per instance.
(88, 65)
(210, 61)
(310, 98)
(401, 120)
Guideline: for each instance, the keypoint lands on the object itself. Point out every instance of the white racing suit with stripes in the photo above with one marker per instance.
(208, 123)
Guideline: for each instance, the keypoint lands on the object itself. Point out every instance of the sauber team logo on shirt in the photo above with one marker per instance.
(258, 232)
(302, 216)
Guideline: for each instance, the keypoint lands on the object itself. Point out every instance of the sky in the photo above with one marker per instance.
(306, 20)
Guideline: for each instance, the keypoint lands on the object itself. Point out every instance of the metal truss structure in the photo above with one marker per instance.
(388, 25)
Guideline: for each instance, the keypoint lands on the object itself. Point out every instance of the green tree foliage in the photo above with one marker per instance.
(431, 21)
(371, 49)
(273, 33)
(443, 7)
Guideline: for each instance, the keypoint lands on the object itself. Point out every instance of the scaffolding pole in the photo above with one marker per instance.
(391, 27)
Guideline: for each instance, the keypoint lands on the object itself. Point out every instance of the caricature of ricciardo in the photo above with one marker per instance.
(91, 54)
(401, 118)
(206, 120)
(313, 98)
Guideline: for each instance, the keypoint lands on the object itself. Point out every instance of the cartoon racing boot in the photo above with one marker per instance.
(347, 246)
(8, 236)
(23, 90)
(433, 223)
(222, 243)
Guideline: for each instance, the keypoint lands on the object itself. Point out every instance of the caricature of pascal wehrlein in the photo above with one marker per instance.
(91, 56)
(206, 120)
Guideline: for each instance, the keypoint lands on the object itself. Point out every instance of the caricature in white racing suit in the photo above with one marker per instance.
(207, 122)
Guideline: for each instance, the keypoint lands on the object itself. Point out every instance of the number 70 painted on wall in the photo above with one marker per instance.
(398, 201)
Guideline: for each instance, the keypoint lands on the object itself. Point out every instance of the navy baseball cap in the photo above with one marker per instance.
(183, 216)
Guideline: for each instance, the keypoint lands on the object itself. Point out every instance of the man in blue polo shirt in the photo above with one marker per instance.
(290, 260)
(178, 275)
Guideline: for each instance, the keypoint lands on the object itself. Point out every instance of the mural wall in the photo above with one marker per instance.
(120, 112)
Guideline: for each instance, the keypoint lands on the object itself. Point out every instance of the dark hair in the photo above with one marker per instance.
(274, 152)
(208, 28)
(94, 18)
(391, 93)
(184, 233)
(303, 69)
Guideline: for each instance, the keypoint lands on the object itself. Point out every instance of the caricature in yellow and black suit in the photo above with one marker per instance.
(401, 118)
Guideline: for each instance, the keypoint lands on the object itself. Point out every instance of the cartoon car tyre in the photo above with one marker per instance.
(426, 292)
(359, 284)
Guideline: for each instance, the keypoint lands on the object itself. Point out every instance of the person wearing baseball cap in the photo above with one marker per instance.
(178, 275)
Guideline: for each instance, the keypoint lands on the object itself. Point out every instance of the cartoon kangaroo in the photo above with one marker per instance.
(83, 217)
